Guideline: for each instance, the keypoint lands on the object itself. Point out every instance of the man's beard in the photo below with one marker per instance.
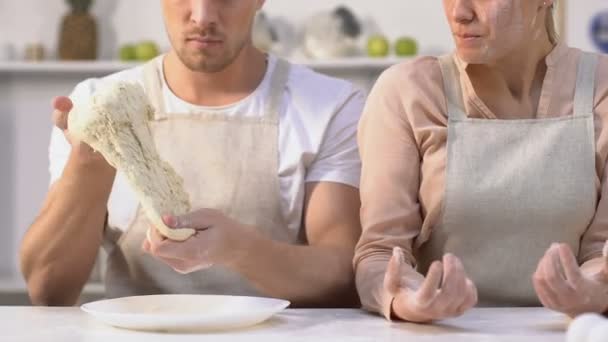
(199, 61)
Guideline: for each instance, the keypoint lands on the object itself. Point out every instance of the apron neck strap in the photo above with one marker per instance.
(278, 81)
(585, 84)
(153, 86)
(452, 87)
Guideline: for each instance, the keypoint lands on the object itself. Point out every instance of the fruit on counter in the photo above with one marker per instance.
(406, 47)
(146, 50)
(141, 51)
(377, 46)
(127, 53)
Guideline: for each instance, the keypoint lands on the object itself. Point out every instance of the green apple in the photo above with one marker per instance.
(145, 51)
(406, 46)
(127, 53)
(377, 46)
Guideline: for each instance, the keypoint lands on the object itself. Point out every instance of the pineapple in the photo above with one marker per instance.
(78, 40)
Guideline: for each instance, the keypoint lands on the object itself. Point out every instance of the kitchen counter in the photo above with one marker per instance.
(18, 324)
(13, 291)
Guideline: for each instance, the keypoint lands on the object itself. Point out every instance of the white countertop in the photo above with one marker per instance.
(21, 324)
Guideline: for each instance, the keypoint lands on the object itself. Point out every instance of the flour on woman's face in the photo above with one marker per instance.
(486, 31)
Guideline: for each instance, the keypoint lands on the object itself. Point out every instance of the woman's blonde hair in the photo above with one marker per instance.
(551, 25)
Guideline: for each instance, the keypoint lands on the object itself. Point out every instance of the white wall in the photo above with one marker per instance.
(578, 21)
(7, 176)
(123, 21)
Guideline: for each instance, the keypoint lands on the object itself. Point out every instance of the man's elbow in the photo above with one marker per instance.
(347, 293)
(344, 290)
(44, 290)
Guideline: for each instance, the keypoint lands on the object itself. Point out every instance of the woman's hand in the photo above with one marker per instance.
(445, 292)
(561, 285)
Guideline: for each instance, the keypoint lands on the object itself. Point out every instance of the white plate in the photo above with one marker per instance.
(184, 312)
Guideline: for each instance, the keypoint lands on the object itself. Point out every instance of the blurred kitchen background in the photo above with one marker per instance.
(354, 39)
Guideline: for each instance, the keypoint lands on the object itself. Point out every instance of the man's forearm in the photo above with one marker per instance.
(60, 248)
(305, 275)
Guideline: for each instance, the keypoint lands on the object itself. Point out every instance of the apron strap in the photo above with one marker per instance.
(153, 86)
(585, 85)
(277, 86)
(452, 87)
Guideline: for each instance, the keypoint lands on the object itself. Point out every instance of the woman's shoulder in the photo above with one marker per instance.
(422, 70)
(574, 54)
(601, 80)
(602, 66)
(415, 82)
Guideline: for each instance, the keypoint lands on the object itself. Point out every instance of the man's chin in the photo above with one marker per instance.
(207, 64)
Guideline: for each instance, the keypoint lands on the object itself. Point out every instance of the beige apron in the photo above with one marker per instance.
(228, 163)
(513, 187)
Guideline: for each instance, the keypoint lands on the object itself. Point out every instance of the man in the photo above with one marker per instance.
(268, 154)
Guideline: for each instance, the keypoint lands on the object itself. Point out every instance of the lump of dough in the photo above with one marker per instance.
(579, 329)
(114, 122)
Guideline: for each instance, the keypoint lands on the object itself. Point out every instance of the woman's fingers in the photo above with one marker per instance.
(430, 286)
(454, 284)
(392, 278)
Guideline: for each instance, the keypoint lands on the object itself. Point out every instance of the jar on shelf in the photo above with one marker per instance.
(34, 52)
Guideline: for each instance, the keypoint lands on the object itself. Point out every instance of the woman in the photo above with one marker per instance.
(484, 172)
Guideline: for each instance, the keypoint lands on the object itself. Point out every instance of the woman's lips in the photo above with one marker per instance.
(468, 39)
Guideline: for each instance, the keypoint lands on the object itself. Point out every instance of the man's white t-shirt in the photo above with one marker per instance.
(317, 136)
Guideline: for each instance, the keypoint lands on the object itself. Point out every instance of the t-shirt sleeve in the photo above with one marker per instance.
(338, 157)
